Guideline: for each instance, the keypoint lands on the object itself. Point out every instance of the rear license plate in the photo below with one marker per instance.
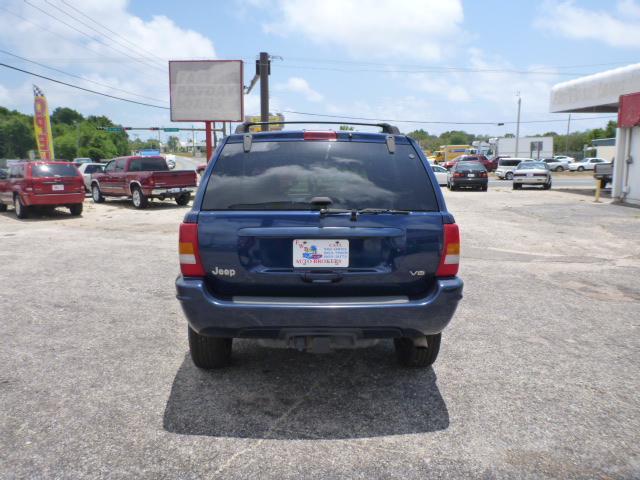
(57, 187)
(471, 175)
(529, 174)
(312, 253)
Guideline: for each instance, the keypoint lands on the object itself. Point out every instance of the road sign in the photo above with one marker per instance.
(113, 129)
(206, 90)
(171, 129)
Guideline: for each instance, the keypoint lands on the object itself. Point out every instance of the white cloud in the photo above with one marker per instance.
(134, 60)
(421, 29)
(301, 86)
(619, 28)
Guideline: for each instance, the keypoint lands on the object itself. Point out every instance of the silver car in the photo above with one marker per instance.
(506, 166)
(532, 173)
(557, 164)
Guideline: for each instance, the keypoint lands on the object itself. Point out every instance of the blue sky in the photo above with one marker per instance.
(419, 60)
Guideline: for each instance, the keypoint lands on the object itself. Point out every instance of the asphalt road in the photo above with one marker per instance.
(537, 376)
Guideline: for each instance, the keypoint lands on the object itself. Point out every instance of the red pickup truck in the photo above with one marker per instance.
(45, 185)
(142, 178)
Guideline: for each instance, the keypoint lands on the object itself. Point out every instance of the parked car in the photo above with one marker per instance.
(532, 173)
(41, 184)
(506, 166)
(486, 163)
(588, 163)
(80, 160)
(142, 178)
(564, 158)
(87, 170)
(440, 173)
(468, 175)
(557, 164)
(317, 240)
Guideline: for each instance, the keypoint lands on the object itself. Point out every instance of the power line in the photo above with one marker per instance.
(435, 122)
(79, 76)
(82, 88)
(89, 36)
(137, 47)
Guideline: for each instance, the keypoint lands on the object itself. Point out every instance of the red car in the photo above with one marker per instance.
(27, 185)
(142, 178)
(486, 163)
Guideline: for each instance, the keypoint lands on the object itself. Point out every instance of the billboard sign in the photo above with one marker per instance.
(206, 90)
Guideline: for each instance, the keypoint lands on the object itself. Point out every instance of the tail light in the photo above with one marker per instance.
(28, 186)
(190, 263)
(458, 174)
(450, 259)
(483, 174)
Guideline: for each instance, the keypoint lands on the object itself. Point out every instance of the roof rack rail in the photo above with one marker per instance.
(386, 128)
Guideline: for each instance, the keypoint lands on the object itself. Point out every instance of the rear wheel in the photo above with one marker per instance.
(76, 209)
(417, 352)
(509, 176)
(209, 352)
(485, 188)
(581, 169)
(138, 198)
(183, 199)
(560, 169)
(517, 186)
(96, 194)
(21, 210)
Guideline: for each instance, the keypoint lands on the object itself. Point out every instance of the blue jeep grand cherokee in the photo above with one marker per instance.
(317, 240)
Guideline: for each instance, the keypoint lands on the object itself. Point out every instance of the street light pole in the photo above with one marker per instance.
(518, 125)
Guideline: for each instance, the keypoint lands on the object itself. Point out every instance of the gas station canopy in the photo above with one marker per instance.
(595, 93)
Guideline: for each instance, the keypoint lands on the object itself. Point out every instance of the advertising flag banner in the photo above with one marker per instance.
(42, 125)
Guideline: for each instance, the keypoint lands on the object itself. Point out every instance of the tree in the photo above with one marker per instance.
(67, 116)
(16, 137)
(173, 143)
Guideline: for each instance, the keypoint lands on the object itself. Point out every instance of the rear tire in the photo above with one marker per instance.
(581, 169)
(209, 352)
(410, 355)
(22, 212)
(485, 188)
(183, 199)
(96, 194)
(3, 207)
(138, 198)
(559, 169)
(76, 209)
(517, 186)
(509, 176)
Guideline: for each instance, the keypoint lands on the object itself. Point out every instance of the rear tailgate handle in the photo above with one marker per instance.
(318, 277)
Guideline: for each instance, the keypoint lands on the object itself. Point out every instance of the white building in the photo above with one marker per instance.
(618, 91)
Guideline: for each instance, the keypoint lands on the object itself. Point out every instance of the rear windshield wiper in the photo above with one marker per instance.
(375, 211)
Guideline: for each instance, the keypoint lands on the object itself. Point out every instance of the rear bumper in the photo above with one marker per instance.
(268, 318)
(168, 192)
(530, 180)
(52, 199)
(469, 182)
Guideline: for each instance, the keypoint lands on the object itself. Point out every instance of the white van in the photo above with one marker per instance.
(506, 166)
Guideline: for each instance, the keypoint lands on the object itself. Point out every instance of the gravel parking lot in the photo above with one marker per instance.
(537, 375)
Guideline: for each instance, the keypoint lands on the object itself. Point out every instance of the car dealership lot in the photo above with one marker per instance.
(537, 375)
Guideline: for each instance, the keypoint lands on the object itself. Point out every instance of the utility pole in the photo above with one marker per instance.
(518, 125)
(566, 143)
(193, 140)
(264, 68)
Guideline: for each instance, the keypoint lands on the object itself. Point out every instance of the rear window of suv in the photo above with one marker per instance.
(287, 175)
(54, 170)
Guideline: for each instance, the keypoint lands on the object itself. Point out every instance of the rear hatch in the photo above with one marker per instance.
(340, 217)
(56, 178)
